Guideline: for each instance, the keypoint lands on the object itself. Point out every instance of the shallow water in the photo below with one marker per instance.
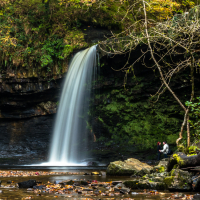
(10, 191)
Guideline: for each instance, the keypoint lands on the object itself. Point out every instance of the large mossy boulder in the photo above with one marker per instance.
(129, 167)
(149, 181)
(176, 180)
(179, 180)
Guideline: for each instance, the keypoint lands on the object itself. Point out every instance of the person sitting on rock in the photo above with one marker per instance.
(165, 149)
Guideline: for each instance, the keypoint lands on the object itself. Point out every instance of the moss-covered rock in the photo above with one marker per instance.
(161, 167)
(168, 181)
(128, 167)
(179, 180)
(133, 184)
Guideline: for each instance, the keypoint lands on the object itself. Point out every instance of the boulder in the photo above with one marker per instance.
(162, 166)
(133, 184)
(196, 183)
(128, 167)
(145, 184)
(27, 184)
(196, 197)
(179, 180)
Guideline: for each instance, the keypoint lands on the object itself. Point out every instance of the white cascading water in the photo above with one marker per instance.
(73, 105)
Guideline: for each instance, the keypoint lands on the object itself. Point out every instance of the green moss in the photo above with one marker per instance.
(178, 159)
(168, 180)
(132, 184)
(161, 169)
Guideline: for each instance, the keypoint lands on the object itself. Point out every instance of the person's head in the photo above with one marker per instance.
(158, 143)
(164, 142)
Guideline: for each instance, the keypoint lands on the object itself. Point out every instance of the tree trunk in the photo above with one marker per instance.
(188, 131)
(183, 161)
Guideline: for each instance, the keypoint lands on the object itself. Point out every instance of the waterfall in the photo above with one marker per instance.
(70, 124)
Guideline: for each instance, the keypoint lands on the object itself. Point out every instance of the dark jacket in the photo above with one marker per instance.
(159, 148)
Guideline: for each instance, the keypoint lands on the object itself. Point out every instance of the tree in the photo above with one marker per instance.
(173, 45)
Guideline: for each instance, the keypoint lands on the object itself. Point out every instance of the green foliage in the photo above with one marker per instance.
(134, 120)
(192, 150)
(36, 33)
(195, 112)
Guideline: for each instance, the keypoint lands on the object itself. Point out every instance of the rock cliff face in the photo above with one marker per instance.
(27, 111)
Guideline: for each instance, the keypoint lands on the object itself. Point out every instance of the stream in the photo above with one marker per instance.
(9, 188)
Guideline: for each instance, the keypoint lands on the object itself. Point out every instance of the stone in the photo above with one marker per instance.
(120, 187)
(196, 196)
(116, 182)
(196, 183)
(133, 184)
(162, 166)
(27, 184)
(128, 167)
(179, 180)
(39, 187)
(143, 184)
(84, 183)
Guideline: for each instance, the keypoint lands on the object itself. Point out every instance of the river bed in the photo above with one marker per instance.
(9, 188)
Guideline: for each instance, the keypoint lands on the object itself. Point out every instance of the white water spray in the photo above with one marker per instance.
(73, 106)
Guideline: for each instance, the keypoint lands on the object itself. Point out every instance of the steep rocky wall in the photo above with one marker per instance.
(27, 110)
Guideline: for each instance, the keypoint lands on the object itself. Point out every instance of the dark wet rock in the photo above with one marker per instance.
(179, 180)
(84, 183)
(27, 184)
(39, 187)
(128, 167)
(77, 183)
(196, 196)
(116, 182)
(196, 183)
(143, 184)
(153, 181)
(69, 182)
(133, 184)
